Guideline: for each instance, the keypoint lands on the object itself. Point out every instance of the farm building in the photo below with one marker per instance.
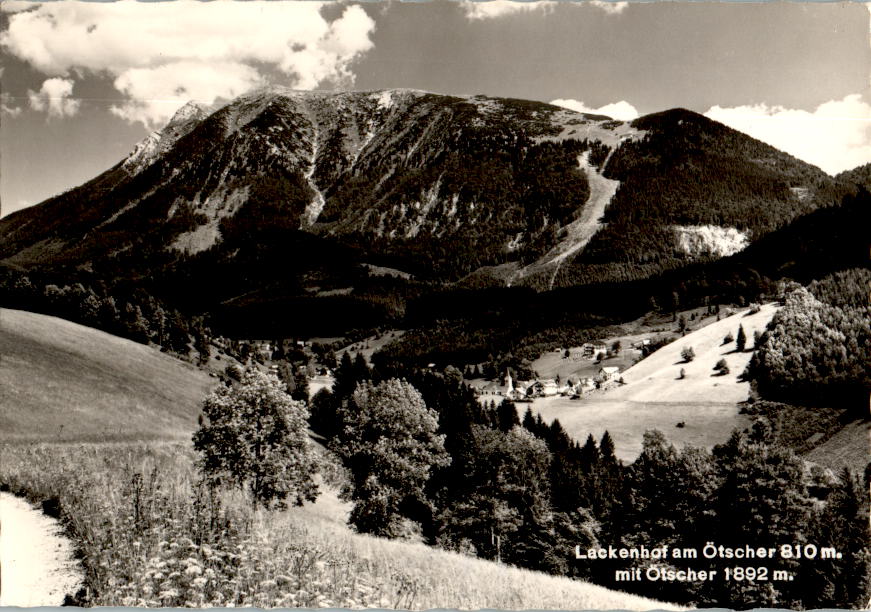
(608, 374)
(588, 350)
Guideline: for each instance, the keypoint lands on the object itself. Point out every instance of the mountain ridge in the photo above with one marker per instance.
(441, 187)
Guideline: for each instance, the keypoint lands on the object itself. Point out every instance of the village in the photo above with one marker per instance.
(567, 372)
(582, 381)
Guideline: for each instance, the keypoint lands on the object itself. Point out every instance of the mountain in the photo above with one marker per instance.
(282, 195)
(159, 142)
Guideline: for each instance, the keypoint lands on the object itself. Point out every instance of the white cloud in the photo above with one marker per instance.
(621, 110)
(491, 9)
(836, 136)
(157, 92)
(55, 98)
(162, 54)
(610, 7)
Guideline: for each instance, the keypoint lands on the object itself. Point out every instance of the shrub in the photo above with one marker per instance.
(688, 354)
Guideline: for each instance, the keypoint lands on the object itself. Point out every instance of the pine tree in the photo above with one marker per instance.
(741, 339)
(606, 449)
(506, 415)
(529, 420)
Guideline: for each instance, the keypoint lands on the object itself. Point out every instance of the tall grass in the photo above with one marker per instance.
(151, 535)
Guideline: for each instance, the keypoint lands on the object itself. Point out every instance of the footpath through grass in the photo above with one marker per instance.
(150, 535)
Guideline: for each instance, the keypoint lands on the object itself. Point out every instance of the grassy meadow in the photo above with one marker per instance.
(150, 535)
(706, 406)
(62, 381)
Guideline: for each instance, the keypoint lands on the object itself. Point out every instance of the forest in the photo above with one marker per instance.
(817, 350)
(688, 170)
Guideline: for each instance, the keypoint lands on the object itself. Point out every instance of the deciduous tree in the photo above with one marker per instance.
(254, 436)
(389, 444)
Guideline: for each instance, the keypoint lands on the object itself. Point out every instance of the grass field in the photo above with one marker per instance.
(60, 381)
(553, 364)
(654, 398)
(368, 346)
(653, 327)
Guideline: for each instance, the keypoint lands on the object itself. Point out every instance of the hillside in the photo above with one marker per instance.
(653, 397)
(653, 379)
(60, 381)
(441, 579)
(691, 174)
(104, 411)
(299, 557)
(860, 175)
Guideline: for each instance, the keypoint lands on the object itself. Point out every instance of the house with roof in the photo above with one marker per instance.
(549, 387)
(608, 374)
(591, 349)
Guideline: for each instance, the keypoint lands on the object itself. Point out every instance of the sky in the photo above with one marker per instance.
(82, 82)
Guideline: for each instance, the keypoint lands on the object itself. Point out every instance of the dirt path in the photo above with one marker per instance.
(37, 564)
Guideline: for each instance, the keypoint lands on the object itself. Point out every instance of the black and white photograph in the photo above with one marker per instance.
(446, 304)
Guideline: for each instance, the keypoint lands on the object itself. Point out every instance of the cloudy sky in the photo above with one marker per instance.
(83, 82)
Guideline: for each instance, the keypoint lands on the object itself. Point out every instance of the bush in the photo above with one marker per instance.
(254, 436)
(729, 339)
(721, 367)
(688, 354)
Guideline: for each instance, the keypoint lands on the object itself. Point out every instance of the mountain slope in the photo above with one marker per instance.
(60, 381)
(284, 195)
(690, 174)
(860, 175)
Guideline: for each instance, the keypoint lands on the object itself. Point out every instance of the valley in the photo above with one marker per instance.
(82, 442)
